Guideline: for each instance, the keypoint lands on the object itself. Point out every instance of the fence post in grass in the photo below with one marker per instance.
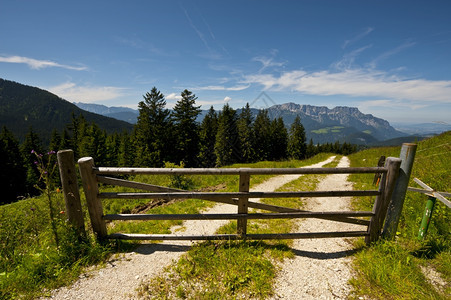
(387, 185)
(426, 217)
(91, 189)
(69, 182)
(399, 194)
(243, 204)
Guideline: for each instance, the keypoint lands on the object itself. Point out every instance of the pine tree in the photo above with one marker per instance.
(296, 144)
(13, 173)
(151, 134)
(207, 137)
(262, 135)
(186, 129)
(55, 141)
(311, 149)
(246, 134)
(32, 142)
(279, 140)
(227, 145)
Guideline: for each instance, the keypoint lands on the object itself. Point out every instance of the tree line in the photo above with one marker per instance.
(160, 136)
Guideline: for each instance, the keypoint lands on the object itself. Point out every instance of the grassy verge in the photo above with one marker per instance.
(233, 269)
(392, 269)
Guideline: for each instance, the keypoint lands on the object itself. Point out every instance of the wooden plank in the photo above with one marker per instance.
(136, 185)
(289, 215)
(229, 195)
(235, 171)
(304, 235)
(243, 203)
(71, 192)
(91, 190)
(433, 193)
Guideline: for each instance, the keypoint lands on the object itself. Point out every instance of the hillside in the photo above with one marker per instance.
(22, 107)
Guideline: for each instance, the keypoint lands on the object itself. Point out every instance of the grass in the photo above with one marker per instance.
(30, 262)
(391, 269)
(327, 129)
(233, 269)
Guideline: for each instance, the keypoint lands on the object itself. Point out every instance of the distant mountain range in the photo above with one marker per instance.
(344, 124)
(22, 107)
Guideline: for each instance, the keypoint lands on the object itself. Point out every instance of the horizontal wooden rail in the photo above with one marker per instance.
(229, 195)
(306, 214)
(235, 171)
(171, 237)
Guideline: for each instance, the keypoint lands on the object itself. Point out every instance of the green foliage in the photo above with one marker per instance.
(391, 269)
(297, 147)
(186, 129)
(13, 173)
(207, 137)
(227, 146)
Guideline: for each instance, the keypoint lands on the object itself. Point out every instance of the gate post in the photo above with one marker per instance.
(68, 175)
(386, 188)
(243, 204)
(91, 189)
(399, 194)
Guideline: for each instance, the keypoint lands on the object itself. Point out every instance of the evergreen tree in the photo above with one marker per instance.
(262, 135)
(246, 134)
(296, 144)
(32, 142)
(151, 133)
(227, 145)
(66, 141)
(186, 129)
(207, 137)
(55, 141)
(279, 140)
(311, 149)
(13, 173)
(126, 151)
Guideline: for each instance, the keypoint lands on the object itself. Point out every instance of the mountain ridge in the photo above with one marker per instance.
(23, 106)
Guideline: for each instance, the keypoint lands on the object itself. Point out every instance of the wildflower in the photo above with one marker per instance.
(58, 190)
(35, 162)
(62, 212)
(33, 209)
(32, 151)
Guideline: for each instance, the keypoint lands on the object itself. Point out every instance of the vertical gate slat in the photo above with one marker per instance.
(243, 203)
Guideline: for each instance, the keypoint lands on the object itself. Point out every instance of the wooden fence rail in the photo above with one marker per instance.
(91, 177)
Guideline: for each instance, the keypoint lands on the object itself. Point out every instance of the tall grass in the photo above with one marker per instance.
(391, 269)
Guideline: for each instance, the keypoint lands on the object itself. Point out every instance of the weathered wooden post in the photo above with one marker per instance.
(386, 187)
(68, 175)
(399, 194)
(243, 202)
(91, 189)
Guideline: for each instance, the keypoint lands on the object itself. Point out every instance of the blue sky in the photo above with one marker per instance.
(391, 59)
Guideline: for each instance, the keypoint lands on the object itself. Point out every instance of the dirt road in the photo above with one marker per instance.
(319, 270)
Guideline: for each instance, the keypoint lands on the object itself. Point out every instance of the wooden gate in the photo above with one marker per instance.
(91, 176)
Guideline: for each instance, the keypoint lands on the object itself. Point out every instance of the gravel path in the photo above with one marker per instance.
(319, 270)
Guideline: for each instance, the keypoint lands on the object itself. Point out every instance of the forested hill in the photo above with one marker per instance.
(22, 106)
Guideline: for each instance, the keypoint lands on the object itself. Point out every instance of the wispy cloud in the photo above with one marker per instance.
(88, 94)
(391, 52)
(355, 83)
(38, 64)
(358, 37)
(267, 62)
(222, 88)
(198, 32)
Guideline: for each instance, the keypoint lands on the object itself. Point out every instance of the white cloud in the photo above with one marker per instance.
(227, 99)
(173, 96)
(359, 36)
(37, 64)
(356, 83)
(88, 94)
